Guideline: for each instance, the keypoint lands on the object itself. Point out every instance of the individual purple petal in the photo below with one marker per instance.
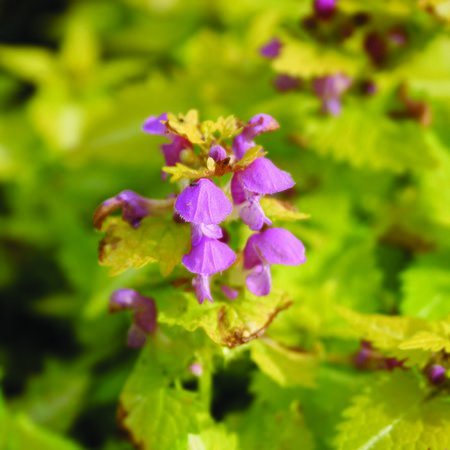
(154, 125)
(332, 106)
(230, 293)
(238, 193)
(134, 208)
(261, 123)
(271, 49)
(199, 230)
(217, 153)
(324, 9)
(202, 289)
(253, 215)
(209, 256)
(273, 246)
(203, 202)
(436, 374)
(263, 177)
(241, 144)
(144, 312)
(259, 281)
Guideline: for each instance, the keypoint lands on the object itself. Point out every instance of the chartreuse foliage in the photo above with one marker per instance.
(395, 412)
(283, 372)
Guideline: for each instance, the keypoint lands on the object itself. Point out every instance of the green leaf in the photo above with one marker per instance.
(183, 172)
(55, 397)
(217, 438)
(401, 337)
(155, 240)
(18, 432)
(369, 140)
(426, 287)
(156, 410)
(396, 413)
(305, 59)
(250, 155)
(288, 367)
(274, 421)
(229, 323)
(283, 211)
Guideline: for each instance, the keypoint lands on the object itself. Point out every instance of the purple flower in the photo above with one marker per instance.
(261, 123)
(199, 230)
(272, 246)
(330, 89)
(324, 9)
(203, 203)
(155, 125)
(436, 374)
(144, 317)
(217, 153)
(230, 293)
(206, 258)
(261, 177)
(171, 151)
(134, 208)
(271, 49)
(286, 83)
(196, 369)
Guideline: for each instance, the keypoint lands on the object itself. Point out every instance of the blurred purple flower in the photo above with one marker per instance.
(261, 123)
(196, 369)
(286, 83)
(271, 49)
(272, 246)
(436, 374)
(330, 89)
(325, 9)
(230, 293)
(203, 203)
(144, 314)
(134, 208)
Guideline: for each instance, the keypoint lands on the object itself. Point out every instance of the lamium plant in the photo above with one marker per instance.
(221, 175)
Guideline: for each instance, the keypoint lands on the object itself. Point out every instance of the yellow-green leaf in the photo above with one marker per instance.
(278, 210)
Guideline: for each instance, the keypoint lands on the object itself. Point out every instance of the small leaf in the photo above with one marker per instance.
(251, 155)
(286, 366)
(278, 210)
(182, 172)
(226, 323)
(305, 59)
(186, 126)
(155, 240)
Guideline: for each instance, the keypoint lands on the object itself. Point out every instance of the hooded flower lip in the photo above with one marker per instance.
(273, 246)
(134, 208)
(144, 314)
(271, 49)
(217, 153)
(203, 203)
(259, 281)
(253, 215)
(261, 123)
(154, 125)
(208, 257)
(263, 177)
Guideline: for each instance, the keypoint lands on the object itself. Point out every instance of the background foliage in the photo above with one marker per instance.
(77, 81)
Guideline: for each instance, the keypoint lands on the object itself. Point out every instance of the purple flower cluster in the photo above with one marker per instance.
(207, 206)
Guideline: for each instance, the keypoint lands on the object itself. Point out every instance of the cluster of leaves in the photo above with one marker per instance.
(278, 372)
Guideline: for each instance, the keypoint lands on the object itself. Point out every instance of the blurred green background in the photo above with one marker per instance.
(77, 80)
